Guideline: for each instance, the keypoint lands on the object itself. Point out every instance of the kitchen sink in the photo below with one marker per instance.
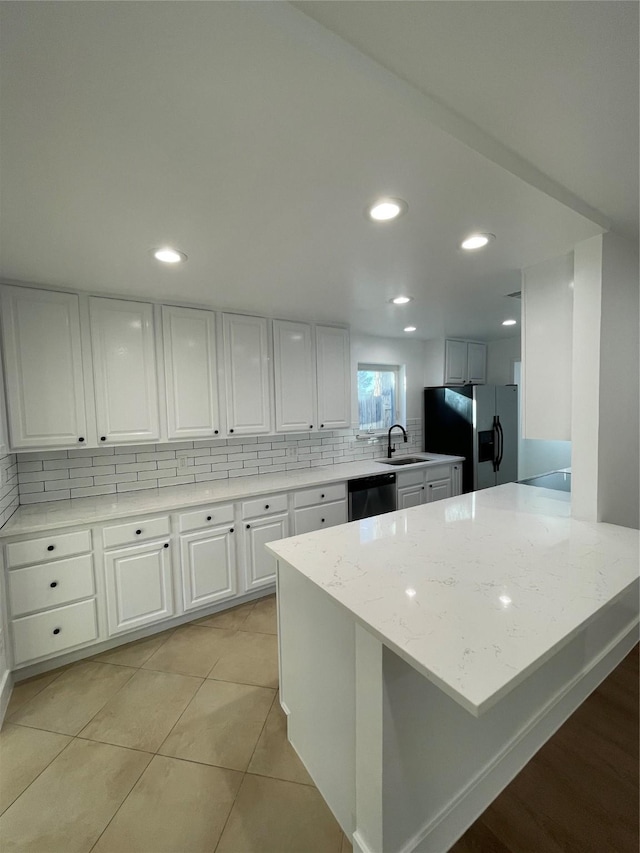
(403, 460)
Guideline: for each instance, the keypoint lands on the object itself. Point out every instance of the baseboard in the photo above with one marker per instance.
(6, 686)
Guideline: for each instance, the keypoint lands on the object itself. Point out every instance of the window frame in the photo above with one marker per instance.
(399, 416)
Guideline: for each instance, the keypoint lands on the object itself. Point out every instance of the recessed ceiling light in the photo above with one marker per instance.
(409, 328)
(476, 241)
(401, 300)
(386, 209)
(168, 255)
(509, 322)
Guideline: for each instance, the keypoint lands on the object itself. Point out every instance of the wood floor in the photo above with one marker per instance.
(579, 793)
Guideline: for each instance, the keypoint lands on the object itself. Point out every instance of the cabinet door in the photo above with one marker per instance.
(260, 566)
(43, 368)
(318, 517)
(208, 566)
(455, 362)
(438, 490)
(476, 363)
(138, 581)
(410, 496)
(293, 363)
(333, 367)
(124, 370)
(456, 479)
(190, 372)
(246, 349)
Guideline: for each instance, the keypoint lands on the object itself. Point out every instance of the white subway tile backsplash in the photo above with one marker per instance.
(57, 475)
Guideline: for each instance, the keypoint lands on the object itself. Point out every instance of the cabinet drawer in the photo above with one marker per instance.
(135, 531)
(415, 477)
(50, 584)
(333, 492)
(438, 472)
(319, 517)
(211, 516)
(48, 548)
(264, 506)
(54, 631)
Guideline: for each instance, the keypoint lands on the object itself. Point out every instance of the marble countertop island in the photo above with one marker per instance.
(474, 591)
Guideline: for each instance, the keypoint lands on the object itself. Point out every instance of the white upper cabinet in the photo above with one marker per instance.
(333, 365)
(294, 376)
(43, 368)
(191, 379)
(124, 370)
(246, 351)
(465, 361)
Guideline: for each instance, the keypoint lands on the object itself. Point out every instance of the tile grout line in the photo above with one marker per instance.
(66, 746)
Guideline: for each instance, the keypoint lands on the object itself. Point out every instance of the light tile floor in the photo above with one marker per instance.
(173, 744)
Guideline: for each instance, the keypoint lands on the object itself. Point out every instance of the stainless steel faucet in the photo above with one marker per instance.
(391, 450)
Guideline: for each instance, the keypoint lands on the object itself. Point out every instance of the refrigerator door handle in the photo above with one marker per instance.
(501, 449)
(496, 443)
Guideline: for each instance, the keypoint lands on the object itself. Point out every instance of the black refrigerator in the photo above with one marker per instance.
(479, 422)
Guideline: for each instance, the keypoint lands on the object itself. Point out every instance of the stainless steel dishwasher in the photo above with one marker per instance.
(371, 496)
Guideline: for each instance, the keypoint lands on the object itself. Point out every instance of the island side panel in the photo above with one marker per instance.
(442, 766)
(317, 687)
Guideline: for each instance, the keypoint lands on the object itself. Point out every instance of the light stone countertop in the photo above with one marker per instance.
(477, 591)
(37, 518)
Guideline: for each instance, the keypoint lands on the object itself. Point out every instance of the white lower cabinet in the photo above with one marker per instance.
(208, 566)
(408, 496)
(139, 589)
(54, 631)
(260, 566)
(318, 517)
(438, 490)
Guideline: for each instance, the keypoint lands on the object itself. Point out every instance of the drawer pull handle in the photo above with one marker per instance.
(321, 426)
(56, 630)
(321, 496)
(248, 526)
(81, 438)
(423, 487)
(53, 584)
(50, 547)
(166, 545)
(208, 518)
(430, 485)
(310, 426)
(231, 530)
(266, 506)
(216, 431)
(230, 430)
(138, 532)
(322, 520)
(103, 438)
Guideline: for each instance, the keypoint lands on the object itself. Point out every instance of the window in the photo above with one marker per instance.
(380, 396)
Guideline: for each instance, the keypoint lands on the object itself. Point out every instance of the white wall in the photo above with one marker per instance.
(501, 356)
(618, 440)
(606, 399)
(367, 349)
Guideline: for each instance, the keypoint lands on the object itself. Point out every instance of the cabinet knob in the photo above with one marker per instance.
(322, 520)
(310, 426)
(430, 485)
(166, 545)
(231, 530)
(138, 532)
(216, 431)
(266, 506)
(56, 630)
(50, 547)
(321, 426)
(81, 438)
(321, 496)
(103, 438)
(248, 526)
(423, 487)
(208, 518)
(53, 584)
(230, 430)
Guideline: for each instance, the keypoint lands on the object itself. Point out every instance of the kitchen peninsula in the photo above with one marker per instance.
(427, 654)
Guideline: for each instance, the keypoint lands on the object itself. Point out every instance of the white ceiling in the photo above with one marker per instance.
(251, 138)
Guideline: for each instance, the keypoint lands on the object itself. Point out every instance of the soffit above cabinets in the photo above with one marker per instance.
(244, 135)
